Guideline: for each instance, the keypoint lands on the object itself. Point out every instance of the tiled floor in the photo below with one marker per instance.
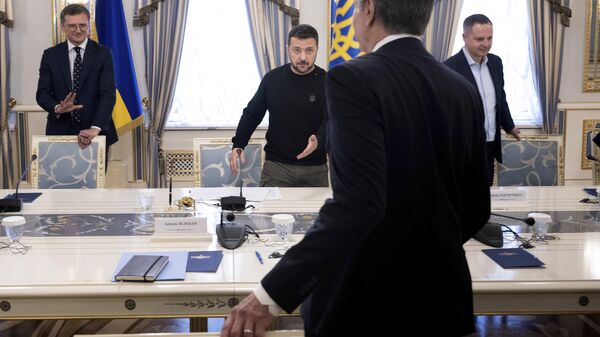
(487, 326)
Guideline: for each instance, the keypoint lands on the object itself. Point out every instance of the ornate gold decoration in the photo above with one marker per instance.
(186, 202)
(591, 54)
(143, 16)
(292, 12)
(12, 102)
(588, 128)
(146, 103)
(565, 12)
(5, 21)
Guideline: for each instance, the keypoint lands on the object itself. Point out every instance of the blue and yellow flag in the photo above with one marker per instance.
(111, 28)
(343, 42)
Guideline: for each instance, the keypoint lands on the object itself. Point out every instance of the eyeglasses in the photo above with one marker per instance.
(308, 51)
(73, 27)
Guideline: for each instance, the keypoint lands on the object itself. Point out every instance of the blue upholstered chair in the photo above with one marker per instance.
(211, 163)
(62, 164)
(536, 160)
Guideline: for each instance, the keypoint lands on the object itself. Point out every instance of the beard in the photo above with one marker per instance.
(300, 71)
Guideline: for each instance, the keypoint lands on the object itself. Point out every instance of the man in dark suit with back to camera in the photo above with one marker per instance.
(409, 181)
(77, 82)
(484, 70)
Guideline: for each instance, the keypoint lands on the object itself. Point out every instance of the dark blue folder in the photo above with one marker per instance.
(26, 197)
(204, 262)
(513, 258)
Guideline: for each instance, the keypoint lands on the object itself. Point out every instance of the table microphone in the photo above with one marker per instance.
(233, 235)
(235, 203)
(529, 220)
(15, 204)
(491, 233)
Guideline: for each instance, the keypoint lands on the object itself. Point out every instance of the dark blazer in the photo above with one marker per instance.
(458, 62)
(97, 93)
(410, 186)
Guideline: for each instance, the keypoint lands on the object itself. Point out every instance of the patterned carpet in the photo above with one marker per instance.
(487, 326)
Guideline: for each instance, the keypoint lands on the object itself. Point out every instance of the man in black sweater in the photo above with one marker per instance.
(294, 94)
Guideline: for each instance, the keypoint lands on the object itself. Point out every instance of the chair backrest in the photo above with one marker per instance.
(595, 151)
(536, 160)
(279, 333)
(62, 164)
(211, 163)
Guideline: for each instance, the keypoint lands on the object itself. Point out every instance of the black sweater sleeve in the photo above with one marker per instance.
(252, 116)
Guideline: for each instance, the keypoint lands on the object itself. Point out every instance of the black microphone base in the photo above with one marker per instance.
(233, 203)
(11, 205)
(491, 235)
(231, 236)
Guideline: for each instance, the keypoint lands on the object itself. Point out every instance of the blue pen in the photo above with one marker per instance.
(259, 257)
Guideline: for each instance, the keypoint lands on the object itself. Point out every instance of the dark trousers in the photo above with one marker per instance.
(490, 161)
(276, 174)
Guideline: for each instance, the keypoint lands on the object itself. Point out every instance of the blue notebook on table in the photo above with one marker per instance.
(513, 258)
(204, 262)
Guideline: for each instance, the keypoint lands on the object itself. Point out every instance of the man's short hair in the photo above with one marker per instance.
(403, 16)
(303, 32)
(473, 20)
(73, 9)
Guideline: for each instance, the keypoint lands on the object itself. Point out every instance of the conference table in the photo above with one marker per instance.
(76, 238)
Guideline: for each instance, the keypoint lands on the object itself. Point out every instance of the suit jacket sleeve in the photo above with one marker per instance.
(358, 168)
(106, 91)
(506, 120)
(45, 93)
(476, 193)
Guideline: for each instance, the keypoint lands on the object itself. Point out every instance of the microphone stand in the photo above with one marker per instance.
(15, 204)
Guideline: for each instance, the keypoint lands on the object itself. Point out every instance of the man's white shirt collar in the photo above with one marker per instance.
(470, 60)
(391, 38)
(82, 45)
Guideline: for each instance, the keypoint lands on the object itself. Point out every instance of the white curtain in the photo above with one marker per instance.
(163, 42)
(269, 26)
(6, 162)
(547, 35)
(442, 28)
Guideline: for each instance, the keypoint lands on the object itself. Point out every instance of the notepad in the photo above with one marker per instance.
(174, 270)
(142, 268)
(513, 258)
(204, 262)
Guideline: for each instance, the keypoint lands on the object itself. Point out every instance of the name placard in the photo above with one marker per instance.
(508, 195)
(180, 225)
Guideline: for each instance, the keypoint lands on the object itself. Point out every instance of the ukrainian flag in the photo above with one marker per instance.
(112, 32)
(343, 42)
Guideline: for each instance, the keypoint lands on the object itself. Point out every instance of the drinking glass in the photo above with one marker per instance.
(146, 199)
(284, 223)
(14, 227)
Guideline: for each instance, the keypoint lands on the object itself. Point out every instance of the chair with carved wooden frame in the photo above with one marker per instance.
(61, 164)
(211, 163)
(536, 160)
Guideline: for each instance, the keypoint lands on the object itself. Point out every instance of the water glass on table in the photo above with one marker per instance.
(284, 223)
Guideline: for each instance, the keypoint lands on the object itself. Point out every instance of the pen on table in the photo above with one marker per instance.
(259, 257)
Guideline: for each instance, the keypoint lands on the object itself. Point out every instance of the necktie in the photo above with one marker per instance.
(77, 67)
